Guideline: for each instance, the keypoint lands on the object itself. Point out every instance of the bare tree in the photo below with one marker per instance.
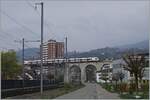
(115, 78)
(121, 76)
(135, 65)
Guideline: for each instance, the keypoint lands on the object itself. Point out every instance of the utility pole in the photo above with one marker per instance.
(23, 42)
(41, 47)
(66, 65)
(66, 47)
(23, 61)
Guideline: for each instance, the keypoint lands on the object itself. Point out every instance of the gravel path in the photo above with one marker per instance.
(104, 94)
(90, 91)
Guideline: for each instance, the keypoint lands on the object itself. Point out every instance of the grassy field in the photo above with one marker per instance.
(131, 96)
(144, 94)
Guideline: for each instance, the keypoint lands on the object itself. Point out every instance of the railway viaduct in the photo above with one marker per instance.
(75, 72)
(83, 71)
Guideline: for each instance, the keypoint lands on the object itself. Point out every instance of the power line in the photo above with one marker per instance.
(14, 20)
(33, 7)
(22, 41)
(46, 22)
(3, 39)
(27, 46)
(7, 44)
(8, 35)
(30, 4)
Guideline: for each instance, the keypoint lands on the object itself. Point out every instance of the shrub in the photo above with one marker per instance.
(116, 87)
(108, 87)
(145, 87)
(132, 88)
(68, 86)
(123, 87)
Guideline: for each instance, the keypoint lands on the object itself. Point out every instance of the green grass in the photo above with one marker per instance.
(61, 91)
(132, 96)
(144, 94)
(127, 96)
(108, 87)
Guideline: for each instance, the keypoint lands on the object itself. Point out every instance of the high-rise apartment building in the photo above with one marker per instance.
(53, 50)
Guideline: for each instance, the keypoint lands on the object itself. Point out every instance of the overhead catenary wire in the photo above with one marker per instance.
(27, 42)
(18, 23)
(27, 46)
(7, 35)
(33, 45)
(46, 22)
(27, 1)
(7, 44)
(10, 35)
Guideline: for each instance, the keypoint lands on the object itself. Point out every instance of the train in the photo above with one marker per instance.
(83, 59)
(89, 59)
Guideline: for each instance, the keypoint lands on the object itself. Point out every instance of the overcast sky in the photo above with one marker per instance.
(87, 24)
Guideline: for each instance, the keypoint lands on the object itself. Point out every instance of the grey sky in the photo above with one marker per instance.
(87, 24)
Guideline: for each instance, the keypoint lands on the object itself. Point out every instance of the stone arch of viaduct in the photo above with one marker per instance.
(83, 66)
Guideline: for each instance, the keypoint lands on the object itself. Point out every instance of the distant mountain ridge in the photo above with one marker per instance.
(102, 53)
(140, 45)
(114, 52)
(30, 53)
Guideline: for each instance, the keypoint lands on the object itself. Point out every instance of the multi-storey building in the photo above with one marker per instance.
(59, 50)
(105, 74)
(118, 65)
(53, 50)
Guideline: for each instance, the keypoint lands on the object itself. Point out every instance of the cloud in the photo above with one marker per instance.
(87, 24)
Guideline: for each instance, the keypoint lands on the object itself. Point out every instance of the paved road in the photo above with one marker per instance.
(90, 91)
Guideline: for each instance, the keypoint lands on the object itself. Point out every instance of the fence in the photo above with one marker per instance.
(10, 84)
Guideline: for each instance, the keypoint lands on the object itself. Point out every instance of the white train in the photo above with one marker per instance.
(83, 59)
(63, 60)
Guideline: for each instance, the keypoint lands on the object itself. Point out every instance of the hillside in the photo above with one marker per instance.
(140, 45)
(107, 52)
(30, 53)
